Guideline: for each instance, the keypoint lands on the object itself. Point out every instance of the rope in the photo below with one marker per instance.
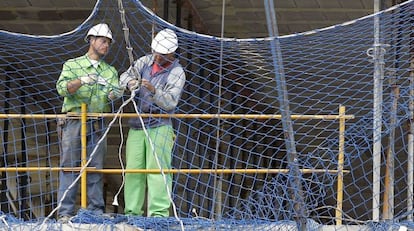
(115, 200)
(128, 47)
(88, 162)
(159, 166)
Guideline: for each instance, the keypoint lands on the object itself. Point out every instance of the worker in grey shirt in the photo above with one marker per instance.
(157, 80)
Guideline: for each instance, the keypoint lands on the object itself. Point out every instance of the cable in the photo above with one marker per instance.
(159, 165)
(115, 200)
(87, 163)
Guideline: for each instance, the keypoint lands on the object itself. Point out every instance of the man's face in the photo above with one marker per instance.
(100, 45)
(163, 59)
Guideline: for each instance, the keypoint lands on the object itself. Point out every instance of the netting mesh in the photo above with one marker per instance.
(230, 99)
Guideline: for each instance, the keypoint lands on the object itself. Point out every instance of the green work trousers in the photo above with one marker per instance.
(140, 155)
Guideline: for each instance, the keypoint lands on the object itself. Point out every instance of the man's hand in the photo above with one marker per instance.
(148, 85)
(89, 79)
(133, 85)
(115, 93)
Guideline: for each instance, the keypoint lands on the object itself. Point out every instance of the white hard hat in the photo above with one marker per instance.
(165, 42)
(101, 29)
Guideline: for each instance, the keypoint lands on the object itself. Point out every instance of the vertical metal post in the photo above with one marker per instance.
(166, 10)
(218, 159)
(294, 171)
(178, 13)
(377, 111)
(83, 154)
(410, 158)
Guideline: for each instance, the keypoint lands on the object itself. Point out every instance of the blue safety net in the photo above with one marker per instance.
(341, 155)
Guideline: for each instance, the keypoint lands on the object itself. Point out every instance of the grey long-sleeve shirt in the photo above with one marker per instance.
(168, 83)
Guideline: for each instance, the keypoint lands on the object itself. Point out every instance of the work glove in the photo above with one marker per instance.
(133, 85)
(89, 79)
(101, 81)
(115, 93)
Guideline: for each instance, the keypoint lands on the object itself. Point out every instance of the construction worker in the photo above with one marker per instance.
(157, 80)
(86, 79)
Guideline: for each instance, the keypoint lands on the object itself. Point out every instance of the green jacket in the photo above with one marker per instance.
(95, 95)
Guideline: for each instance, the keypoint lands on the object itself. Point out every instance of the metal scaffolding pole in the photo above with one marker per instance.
(294, 174)
(378, 57)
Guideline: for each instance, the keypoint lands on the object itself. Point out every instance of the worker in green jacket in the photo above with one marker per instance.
(86, 79)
